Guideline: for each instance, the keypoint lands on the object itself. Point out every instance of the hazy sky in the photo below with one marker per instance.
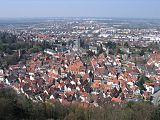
(80, 8)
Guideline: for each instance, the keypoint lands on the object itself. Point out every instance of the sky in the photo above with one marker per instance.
(80, 8)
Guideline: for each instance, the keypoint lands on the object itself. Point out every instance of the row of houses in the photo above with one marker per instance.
(67, 78)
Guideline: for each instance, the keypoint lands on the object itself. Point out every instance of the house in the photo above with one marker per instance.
(156, 87)
(93, 49)
(1, 75)
(149, 88)
(11, 79)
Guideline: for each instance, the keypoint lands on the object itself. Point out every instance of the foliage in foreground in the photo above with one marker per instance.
(17, 107)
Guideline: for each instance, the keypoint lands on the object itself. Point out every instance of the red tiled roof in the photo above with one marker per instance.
(116, 99)
(85, 76)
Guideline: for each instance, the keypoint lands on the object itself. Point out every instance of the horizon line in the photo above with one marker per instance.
(45, 17)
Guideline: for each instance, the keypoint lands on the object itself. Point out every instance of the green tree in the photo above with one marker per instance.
(142, 52)
(156, 114)
(126, 44)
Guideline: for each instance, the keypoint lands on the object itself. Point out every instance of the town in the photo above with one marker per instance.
(84, 61)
